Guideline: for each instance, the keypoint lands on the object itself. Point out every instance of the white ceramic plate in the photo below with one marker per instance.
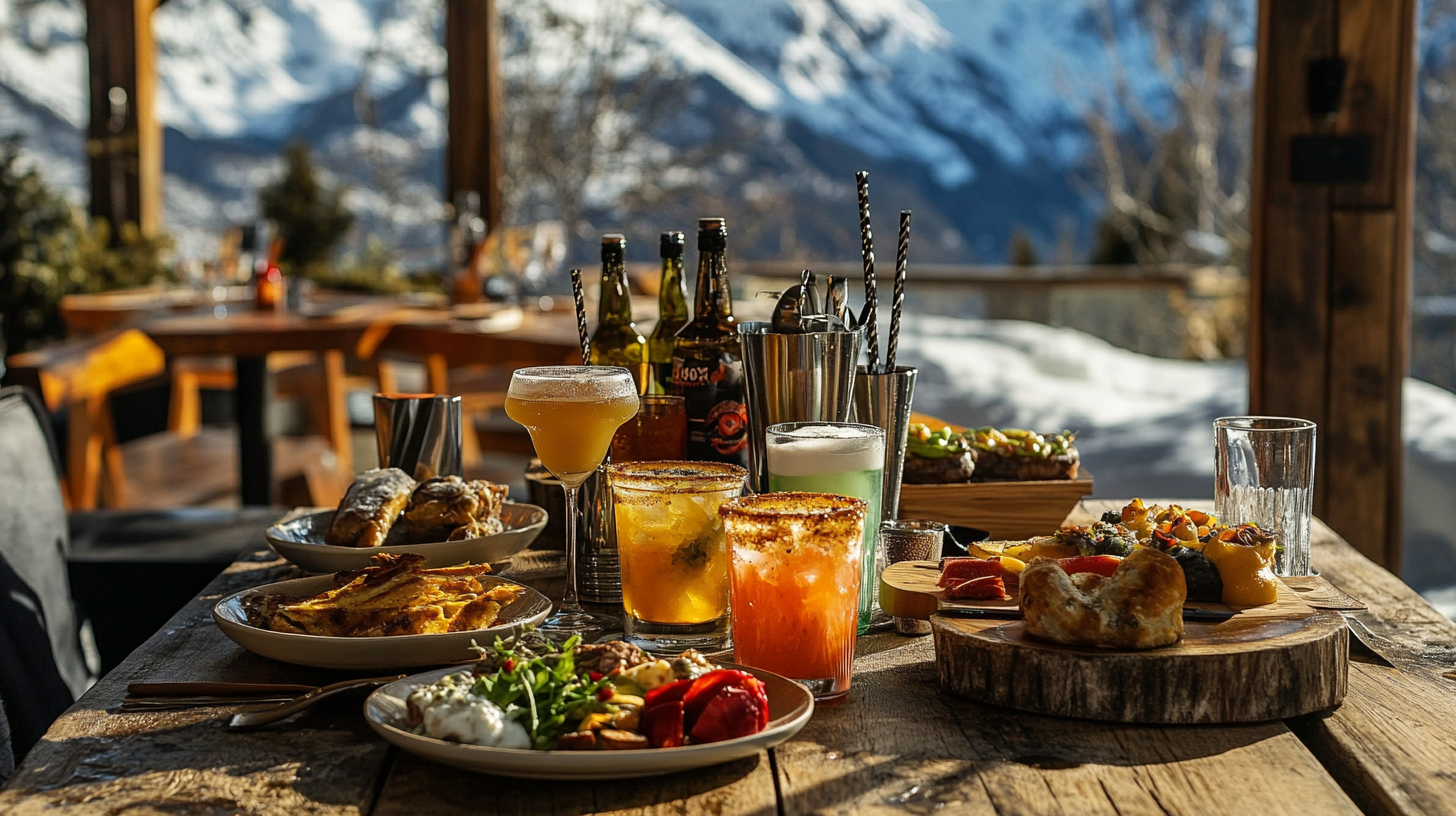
(397, 652)
(301, 541)
(790, 706)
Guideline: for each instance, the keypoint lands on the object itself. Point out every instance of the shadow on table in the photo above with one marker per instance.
(414, 781)
(327, 755)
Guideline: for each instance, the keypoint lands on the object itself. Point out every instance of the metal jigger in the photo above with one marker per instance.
(884, 400)
(805, 377)
(418, 433)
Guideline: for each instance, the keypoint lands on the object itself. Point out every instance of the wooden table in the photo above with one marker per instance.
(898, 745)
(362, 329)
(249, 337)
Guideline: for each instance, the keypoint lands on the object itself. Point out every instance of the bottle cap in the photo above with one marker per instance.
(712, 234)
(672, 243)
(614, 246)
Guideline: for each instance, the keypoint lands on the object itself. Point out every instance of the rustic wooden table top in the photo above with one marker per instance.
(899, 744)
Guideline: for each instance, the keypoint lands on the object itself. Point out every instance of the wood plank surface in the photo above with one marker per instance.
(897, 744)
(1390, 744)
(900, 740)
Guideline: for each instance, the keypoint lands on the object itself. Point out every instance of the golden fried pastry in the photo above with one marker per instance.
(394, 596)
(477, 528)
(370, 508)
(441, 507)
(1139, 607)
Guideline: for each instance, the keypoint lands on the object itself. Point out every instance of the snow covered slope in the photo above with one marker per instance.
(975, 129)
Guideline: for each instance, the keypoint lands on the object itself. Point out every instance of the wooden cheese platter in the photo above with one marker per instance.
(1233, 665)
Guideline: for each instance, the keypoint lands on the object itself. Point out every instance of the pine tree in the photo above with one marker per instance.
(310, 218)
(47, 251)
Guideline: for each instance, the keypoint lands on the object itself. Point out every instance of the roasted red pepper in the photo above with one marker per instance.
(1101, 564)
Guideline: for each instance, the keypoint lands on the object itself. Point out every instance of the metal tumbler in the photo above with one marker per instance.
(793, 378)
(418, 433)
(884, 400)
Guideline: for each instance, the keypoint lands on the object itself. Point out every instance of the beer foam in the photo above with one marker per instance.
(572, 384)
(815, 449)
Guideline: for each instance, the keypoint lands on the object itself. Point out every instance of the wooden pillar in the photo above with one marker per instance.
(1330, 269)
(124, 140)
(473, 152)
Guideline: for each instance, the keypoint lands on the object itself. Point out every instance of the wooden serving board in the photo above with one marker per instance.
(1007, 510)
(1264, 663)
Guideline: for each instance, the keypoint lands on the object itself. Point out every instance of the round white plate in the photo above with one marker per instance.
(397, 652)
(301, 541)
(789, 704)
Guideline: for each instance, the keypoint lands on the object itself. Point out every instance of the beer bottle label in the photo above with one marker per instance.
(712, 392)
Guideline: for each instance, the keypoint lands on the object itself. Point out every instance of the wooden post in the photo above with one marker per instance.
(124, 140)
(1330, 268)
(473, 154)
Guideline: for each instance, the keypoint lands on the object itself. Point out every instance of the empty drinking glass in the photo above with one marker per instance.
(1264, 475)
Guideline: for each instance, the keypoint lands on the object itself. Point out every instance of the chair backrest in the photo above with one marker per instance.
(42, 664)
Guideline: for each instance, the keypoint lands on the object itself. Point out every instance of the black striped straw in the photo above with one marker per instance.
(580, 297)
(902, 251)
(867, 249)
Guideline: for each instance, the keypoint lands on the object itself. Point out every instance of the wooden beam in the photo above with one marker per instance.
(473, 152)
(1330, 265)
(124, 140)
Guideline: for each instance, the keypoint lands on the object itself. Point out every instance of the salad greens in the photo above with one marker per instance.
(543, 691)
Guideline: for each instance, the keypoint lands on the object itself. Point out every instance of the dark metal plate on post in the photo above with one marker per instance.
(1331, 159)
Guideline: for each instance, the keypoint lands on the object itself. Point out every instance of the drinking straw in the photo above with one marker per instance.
(902, 250)
(581, 316)
(867, 249)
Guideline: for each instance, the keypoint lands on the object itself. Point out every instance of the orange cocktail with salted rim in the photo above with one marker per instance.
(674, 560)
(794, 571)
(572, 413)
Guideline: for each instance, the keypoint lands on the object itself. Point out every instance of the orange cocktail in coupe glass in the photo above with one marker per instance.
(572, 412)
(794, 571)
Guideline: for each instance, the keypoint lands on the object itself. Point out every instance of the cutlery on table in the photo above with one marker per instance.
(257, 718)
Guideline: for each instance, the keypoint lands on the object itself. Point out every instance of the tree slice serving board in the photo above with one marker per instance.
(1264, 663)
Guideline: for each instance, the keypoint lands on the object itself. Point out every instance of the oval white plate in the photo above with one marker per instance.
(790, 706)
(397, 652)
(301, 541)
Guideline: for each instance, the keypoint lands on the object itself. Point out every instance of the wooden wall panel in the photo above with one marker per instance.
(1330, 263)
(1359, 434)
(1370, 40)
(473, 145)
(125, 150)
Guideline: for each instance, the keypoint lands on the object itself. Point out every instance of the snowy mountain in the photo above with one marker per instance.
(966, 112)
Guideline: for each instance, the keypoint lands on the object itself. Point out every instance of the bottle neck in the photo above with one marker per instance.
(615, 306)
(672, 295)
(714, 296)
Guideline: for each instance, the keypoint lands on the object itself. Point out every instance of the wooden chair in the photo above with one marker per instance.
(166, 469)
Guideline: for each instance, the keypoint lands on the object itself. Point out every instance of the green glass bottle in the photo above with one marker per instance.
(707, 359)
(672, 310)
(616, 341)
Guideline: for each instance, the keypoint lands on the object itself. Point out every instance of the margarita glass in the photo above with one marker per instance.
(571, 413)
(794, 573)
(674, 561)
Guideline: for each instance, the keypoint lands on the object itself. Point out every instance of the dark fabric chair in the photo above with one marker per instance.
(42, 663)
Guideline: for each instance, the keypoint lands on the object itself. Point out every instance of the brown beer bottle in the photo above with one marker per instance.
(707, 358)
(617, 341)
